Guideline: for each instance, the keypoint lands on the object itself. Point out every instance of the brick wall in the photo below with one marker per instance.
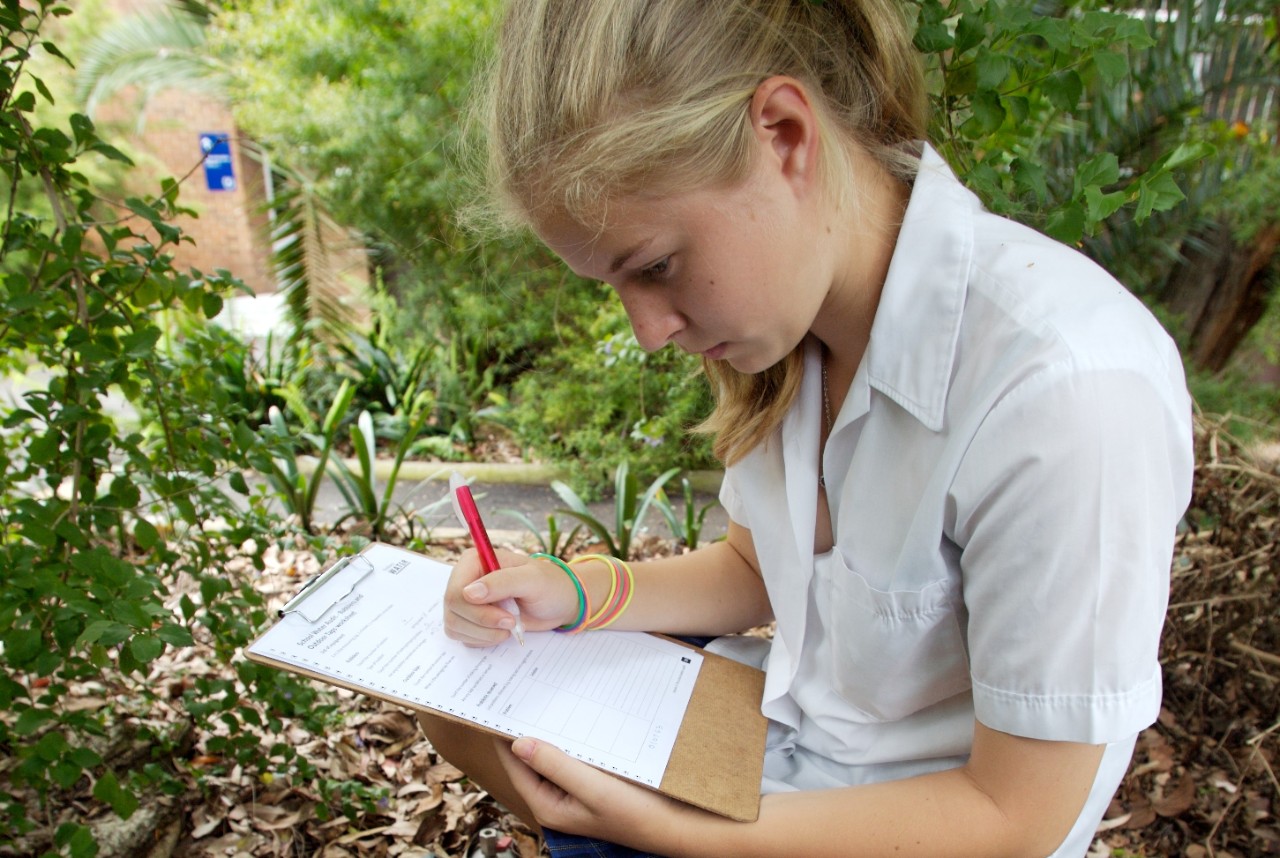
(231, 230)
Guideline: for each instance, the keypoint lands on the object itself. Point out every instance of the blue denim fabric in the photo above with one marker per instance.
(572, 846)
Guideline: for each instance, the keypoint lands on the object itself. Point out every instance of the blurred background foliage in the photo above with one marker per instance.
(1144, 132)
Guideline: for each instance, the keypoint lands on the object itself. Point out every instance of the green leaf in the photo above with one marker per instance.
(21, 646)
(81, 128)
(1112, 67)
(932, 35)
(84, 757)
(1099, 171)
(1183, 154)
(110, 152)
(1101, 206)
(50, 746)
(175, 635)
(66, 774)
(97, 564)
(1066, 223)
(109, 790)
(53, 49)
(988, 115)
(145, 534)
(145, 648)
(44, 90)
(143, 210)
(106, 632)
(1064, 90)
(141, 344)
(1157, 194)
(1055, 31)
(212, 305)
(993, 70)
(970, 32)
(237, 482)
(32, 719)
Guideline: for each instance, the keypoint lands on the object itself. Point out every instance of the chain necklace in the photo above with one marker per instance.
(826, 412)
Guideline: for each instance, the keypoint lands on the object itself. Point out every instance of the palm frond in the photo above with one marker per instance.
(155, 50)
(305, 270)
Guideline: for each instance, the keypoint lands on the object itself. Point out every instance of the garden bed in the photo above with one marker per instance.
(1203, 779)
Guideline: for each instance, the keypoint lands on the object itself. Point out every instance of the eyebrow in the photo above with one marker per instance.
(621, 258)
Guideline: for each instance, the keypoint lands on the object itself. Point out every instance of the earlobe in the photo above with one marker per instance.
(786, 126)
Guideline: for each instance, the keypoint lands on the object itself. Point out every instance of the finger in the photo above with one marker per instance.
(473, 635)
(551, 806)
(510, 558)
(467, 619)
(571, 776)
(478, 625)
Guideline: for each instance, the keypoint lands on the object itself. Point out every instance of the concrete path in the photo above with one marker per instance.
(501, 489)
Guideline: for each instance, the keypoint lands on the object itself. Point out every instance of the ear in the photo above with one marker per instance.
(786, 127)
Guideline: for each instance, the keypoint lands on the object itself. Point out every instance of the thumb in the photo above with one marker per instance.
(554, 765)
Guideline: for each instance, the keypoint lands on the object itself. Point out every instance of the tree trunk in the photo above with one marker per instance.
(1220, 289)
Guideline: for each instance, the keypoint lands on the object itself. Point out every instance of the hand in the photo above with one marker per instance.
(546, 597)
(571, 796)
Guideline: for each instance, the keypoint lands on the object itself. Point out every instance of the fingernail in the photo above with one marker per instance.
(475, 590)
(523, 748)
(507, 623)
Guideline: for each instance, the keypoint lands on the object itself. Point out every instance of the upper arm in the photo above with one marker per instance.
(739, 538)
(1038, 787)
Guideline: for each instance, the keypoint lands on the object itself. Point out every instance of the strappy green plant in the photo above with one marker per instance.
(631, 507)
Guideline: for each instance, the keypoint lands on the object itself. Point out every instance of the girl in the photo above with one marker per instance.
(956, 451)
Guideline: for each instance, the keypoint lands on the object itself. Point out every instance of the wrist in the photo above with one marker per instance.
(608, 607)
(596, 575)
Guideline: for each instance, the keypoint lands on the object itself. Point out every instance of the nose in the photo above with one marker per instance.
(654, 319)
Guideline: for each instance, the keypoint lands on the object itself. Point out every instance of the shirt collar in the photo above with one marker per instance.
(917, 324)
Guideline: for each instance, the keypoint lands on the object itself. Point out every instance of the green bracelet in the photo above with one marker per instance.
(580, 620)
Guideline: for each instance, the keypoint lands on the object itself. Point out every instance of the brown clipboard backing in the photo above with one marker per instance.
(718, 757)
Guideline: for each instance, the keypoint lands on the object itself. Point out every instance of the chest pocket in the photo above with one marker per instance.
(892, 653)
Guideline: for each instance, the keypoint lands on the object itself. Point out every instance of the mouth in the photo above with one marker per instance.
(715, 352)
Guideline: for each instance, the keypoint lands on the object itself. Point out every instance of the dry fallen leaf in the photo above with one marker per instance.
(1177, 800)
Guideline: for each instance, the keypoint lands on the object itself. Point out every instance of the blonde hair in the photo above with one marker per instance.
(589, 102)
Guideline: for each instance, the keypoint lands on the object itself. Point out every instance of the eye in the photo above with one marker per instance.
(657, 271)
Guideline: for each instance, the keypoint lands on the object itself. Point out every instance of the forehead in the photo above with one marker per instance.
(623, 230)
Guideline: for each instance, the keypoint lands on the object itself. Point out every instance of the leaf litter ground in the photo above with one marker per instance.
(1203, 781)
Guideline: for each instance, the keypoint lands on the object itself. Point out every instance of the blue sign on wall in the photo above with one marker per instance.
(219, 175)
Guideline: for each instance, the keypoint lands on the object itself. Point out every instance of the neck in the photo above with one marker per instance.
(864, 239)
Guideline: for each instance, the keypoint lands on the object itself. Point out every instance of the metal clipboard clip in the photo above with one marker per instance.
(326, 589)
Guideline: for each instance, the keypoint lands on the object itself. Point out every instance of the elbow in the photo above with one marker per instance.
(1024, 830)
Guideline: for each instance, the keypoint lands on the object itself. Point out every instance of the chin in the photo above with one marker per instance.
(749, 364)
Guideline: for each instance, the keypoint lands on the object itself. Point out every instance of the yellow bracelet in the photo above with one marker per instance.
(613, 586)
(628, 588)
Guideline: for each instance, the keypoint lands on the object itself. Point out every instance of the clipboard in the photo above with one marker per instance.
(717, 757)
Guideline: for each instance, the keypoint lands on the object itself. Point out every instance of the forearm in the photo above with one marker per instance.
(714, 590)
(937, 815)
(1015, 796)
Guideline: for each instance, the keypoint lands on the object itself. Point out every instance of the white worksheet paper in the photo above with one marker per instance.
(612, 699)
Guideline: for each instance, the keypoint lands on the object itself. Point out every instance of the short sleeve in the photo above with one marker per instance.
(731, 496)
(1066, 506)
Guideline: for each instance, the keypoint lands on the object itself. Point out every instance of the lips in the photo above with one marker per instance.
(716, 352)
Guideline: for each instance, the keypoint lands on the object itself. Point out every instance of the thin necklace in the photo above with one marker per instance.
(826, 411)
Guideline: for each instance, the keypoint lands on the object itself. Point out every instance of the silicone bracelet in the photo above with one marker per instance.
(626, 590)
(614, 581)
(584, 604)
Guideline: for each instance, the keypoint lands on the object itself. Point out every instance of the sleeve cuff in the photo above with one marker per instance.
(1093, 719)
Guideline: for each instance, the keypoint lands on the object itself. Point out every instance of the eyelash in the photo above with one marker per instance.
(656, 271)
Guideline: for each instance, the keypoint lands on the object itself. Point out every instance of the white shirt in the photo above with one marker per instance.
(1005, 478)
